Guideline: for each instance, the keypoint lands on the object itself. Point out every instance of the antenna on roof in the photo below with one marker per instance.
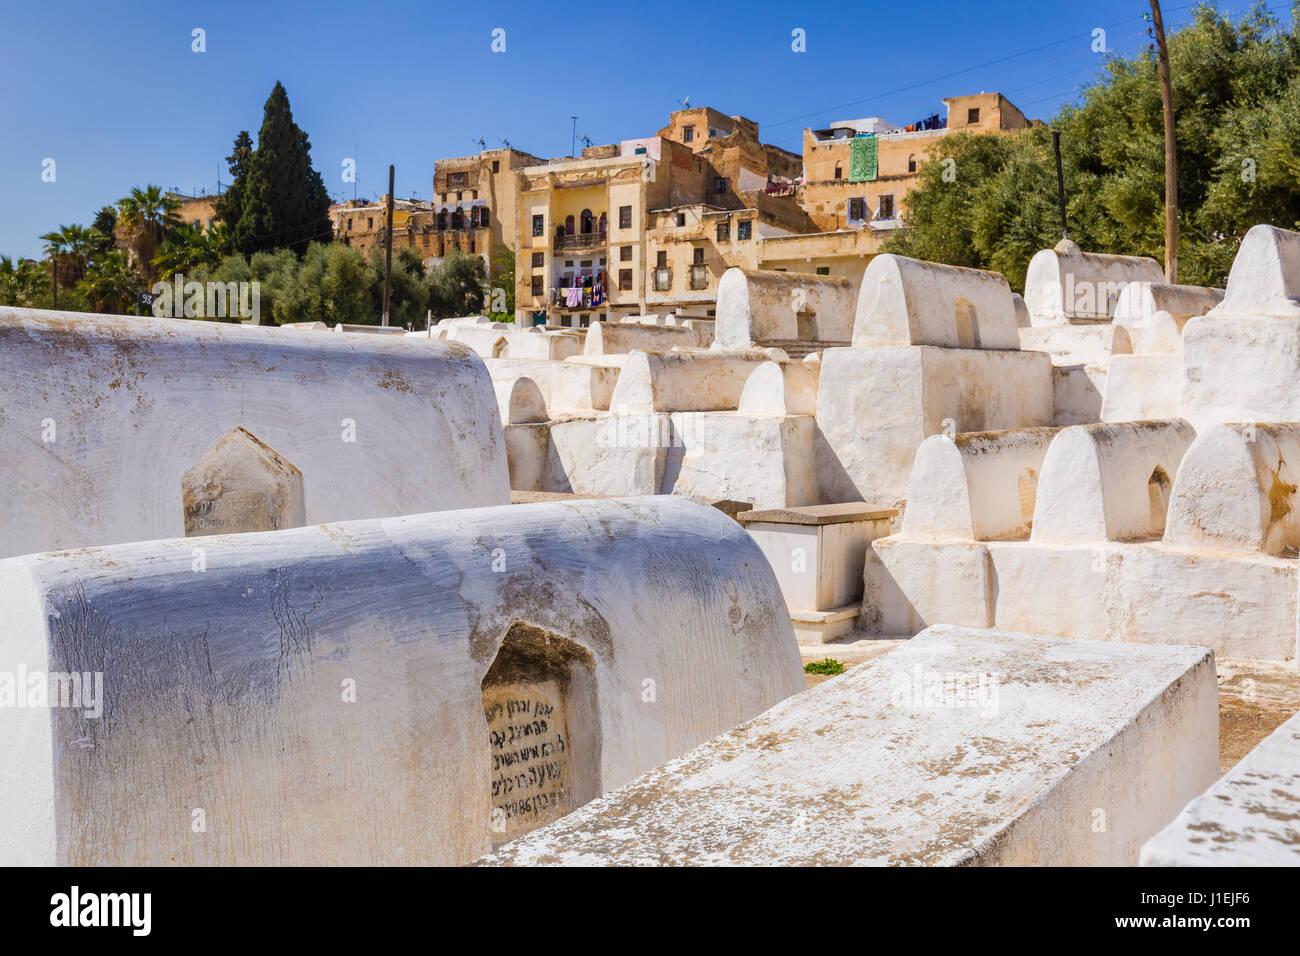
(505, 141)
(585, 139)
(482, 143)
(685, 102)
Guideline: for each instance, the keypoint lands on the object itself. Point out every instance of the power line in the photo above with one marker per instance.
(955, 73)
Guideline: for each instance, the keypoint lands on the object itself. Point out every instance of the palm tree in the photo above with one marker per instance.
(147, 215)
(190, 247)
(22, 283)
(113, 284)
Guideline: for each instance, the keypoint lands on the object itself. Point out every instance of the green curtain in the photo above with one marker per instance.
(862, 160)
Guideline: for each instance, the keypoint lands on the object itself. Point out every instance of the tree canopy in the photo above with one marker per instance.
(1237, 106)
(277, 199)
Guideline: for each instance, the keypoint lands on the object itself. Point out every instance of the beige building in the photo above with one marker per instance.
(836, 200)
(473, 210)
(650, 225)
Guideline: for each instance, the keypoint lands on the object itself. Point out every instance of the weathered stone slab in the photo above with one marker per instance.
(962, 747)
(1249, 818)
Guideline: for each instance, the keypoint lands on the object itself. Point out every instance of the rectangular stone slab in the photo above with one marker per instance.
(1249, 818)
(962, 747)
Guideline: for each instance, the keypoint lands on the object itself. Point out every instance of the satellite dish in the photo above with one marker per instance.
(685, 102)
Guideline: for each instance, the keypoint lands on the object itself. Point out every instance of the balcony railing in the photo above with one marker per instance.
(580, 242)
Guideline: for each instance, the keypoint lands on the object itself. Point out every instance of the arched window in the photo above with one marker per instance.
(484, 219)
(586, 222)
(604, 223)
(568, 225)
(911, 164)
(457, 219)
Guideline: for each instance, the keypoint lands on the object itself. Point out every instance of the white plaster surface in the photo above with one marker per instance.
(906, 301)
(755, 306)
(879, 767)
(1065, 284)
(1249, 818)
(133, 403)
(225, 690)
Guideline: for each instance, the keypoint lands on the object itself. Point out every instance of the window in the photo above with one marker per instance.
(625, 254)
(688, 134)
(886, 210)
(724, 232)
(699, 256)
(496, 165)
(720, 185)
(699, 277)
(857, 209)
(823, 270)
(349, 224)
(911, 164)
(681, 219)
(839, 171)
(457, 180)
(585, 222)
(625, 279)
(538, 225)
(661, 259)
(625, 217)
(568, 225)
(539, 260)
(370, 222)
(973, 115)
(473, 194)
(663, 279)
(483, 218)
(745, 229)
(537, 285)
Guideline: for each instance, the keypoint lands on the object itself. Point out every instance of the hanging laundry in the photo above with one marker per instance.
(573, 297)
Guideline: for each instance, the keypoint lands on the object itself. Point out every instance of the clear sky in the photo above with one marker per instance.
(114, 94)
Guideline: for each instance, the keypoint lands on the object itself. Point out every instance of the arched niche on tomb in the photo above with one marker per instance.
(1027, 491)
(501, 348)
(542, 729)
(241, 484)
(968, 330)
(1158, 486)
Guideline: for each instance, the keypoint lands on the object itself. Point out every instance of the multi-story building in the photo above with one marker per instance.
(473, 210)
(649, 224)
(837, 197)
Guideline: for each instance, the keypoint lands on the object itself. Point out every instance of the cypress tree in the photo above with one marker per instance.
(284, 198)
(230, 205)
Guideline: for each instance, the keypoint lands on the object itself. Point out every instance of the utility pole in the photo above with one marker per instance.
(1171, 158)
(388, 246)
(573, 139)
(1060, 181)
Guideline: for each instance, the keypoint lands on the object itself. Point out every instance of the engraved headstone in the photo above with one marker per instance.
(241, 484)
(531, 756)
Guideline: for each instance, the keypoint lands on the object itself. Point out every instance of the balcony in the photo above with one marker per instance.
(580, 242)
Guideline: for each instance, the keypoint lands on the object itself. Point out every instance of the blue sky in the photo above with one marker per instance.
(115, 95)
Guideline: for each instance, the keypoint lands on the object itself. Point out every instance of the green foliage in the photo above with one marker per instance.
(280, 199)
(1237, 107)
(457, 286)
(827, 666)
(503, 278)
(23, 283)
(147, 216)
(112, 285)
